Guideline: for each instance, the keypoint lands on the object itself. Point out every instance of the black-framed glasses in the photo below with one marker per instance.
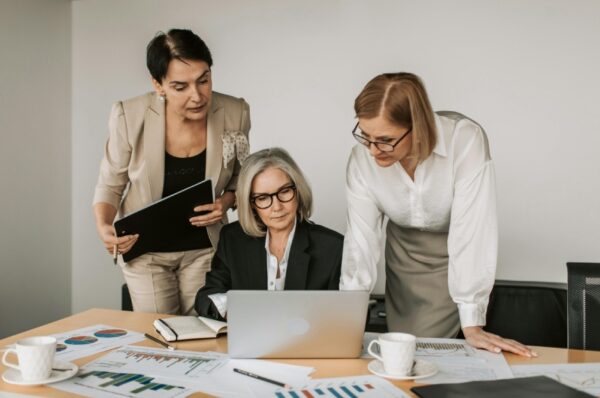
(284, 195)
(382, 146)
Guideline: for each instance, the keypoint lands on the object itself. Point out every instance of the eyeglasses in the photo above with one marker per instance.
(284, 195)
(382, 146)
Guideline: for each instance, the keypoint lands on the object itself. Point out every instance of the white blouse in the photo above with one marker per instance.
(453, 191)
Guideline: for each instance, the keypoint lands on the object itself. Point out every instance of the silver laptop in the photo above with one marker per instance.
(296, 323)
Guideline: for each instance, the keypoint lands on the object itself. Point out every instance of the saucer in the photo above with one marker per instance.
(420, 370)
(13, 376)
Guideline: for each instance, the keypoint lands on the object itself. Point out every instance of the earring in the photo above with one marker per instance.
(162, 97)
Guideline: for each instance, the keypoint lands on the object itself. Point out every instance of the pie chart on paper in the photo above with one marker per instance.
(109, 333)
(81, 340)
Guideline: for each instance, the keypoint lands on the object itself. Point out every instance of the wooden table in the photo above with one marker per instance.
(142, 322)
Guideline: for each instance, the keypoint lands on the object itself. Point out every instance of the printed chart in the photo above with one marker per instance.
(344, 387)
(90, 340)
(459, 362)
(441, 349)
(92, 383)
(181, 365)
(582, 376)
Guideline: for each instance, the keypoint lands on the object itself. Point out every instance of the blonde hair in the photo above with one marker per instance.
(402, 99)
(255, 164)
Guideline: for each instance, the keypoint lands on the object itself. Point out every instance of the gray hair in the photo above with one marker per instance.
(255, 164)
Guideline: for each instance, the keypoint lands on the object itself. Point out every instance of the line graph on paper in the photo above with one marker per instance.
(582, 376)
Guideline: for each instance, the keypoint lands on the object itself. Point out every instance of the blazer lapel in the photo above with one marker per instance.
(214, 144)
(297, 270)
(154, 146)
(257, 259)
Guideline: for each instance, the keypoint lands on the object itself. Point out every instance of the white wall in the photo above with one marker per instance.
(526, 70)
(35, 118)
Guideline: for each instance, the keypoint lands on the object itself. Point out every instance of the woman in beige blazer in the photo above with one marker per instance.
(160, 143)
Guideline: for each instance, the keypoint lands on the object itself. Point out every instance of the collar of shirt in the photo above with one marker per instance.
(274, 283)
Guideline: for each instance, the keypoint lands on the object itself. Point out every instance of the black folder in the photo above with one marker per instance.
(530, 387)
(165, 221)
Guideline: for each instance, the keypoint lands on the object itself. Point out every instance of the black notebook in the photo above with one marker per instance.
(530, 387)
(164, 222)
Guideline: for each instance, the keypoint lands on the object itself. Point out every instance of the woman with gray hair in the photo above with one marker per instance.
(273, 246)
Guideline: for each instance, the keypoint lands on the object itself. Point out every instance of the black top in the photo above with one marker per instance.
(240, 262)
(181, 173)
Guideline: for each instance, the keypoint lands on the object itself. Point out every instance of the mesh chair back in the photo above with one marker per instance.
(533, 313)
(584, 305)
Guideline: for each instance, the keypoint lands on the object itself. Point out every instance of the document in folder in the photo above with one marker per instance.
(165, 221)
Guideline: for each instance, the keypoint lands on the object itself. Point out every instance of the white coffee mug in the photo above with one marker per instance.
(397, 352)
(36, 357)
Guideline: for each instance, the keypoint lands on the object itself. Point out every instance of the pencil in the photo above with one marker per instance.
(115, 253)
(162, 343)
(255, 376)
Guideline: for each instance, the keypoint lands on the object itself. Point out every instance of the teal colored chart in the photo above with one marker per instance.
(81, 340)
(110, 333)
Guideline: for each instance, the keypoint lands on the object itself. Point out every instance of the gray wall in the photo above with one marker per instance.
(35, 172)
(526, 70)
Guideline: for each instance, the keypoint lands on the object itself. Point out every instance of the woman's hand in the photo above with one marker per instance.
(479, 338)
(110, 239)
(216, 211)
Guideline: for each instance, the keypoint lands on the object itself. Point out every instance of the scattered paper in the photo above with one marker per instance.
(458, 362)
(582, 376)
(359, 387)
(80, 343)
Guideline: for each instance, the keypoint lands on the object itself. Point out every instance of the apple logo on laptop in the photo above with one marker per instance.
(297, 326)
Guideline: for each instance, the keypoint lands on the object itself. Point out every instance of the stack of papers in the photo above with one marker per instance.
(133, 371)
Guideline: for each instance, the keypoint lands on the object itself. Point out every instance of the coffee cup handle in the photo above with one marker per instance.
(371, 351)
(5, 362)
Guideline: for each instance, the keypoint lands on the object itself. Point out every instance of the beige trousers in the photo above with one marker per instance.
(167, 283)
(417, 300)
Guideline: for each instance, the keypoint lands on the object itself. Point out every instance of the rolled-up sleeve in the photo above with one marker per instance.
(113, 177)
(473, 233)
(362, 246)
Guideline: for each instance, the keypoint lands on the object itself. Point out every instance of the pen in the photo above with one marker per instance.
(162, 343)
(115, 253)
(255, 376)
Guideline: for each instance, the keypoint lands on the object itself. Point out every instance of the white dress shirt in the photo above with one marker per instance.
(273, 282)
(453, 191)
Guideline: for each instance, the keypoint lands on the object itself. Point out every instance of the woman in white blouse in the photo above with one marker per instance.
(432, 176)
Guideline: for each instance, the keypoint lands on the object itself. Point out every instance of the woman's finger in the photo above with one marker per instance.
(515, 347)
(206, 207)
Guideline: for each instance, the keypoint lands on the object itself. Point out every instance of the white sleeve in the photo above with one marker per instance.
(220, 301)
(362, 246)
(473, 234)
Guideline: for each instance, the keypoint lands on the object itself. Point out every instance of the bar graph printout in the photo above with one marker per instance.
(344, 387)
(180, 365)
(582, 376)
(459, 362)
(96, 384)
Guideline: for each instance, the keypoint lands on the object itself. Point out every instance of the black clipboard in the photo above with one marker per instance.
(165, 221)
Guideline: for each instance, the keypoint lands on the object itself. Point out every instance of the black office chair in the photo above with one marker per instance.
(533, 313)
(376, 317)
(126, 304)
(584, 305)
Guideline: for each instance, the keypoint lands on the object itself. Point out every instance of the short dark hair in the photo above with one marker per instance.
(178, 44)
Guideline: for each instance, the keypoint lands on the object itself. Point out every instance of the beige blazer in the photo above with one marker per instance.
(133, 167)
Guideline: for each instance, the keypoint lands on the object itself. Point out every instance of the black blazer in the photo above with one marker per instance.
(240, 262)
